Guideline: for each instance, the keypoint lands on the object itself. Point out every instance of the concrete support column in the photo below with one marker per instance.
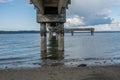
(56, 36)
(43, 37)
(61, 37)
(92, 32)
(72, 33)
(50, 35)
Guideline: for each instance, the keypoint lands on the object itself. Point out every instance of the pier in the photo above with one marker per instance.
(51, 14)
(72, 30)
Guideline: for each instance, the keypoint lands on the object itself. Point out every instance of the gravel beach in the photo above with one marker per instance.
(63, 73)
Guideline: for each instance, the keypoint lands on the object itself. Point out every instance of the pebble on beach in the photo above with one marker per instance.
(82, 65)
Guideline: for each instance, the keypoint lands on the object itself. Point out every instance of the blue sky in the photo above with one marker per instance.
(17, 15)
(115, 12)
(101, 14)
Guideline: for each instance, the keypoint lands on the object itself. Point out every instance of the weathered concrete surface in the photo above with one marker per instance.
(51, 10)
(51, 18)
(43, 37)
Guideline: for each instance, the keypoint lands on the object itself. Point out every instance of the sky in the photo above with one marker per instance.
(103, 15)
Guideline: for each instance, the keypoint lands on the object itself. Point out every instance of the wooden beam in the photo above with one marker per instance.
(39, 5)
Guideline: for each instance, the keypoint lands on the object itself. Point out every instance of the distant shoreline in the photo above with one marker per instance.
(28, 32)
(18, 32)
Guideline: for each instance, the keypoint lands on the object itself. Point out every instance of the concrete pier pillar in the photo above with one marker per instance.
(56, 36)
(92, 32)
(61, 37)
(43, 37)
(72, 33)
(50, 35)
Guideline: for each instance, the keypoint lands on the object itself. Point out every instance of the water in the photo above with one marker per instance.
(23, 50)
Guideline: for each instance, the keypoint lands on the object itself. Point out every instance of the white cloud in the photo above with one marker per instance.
(74, 21)
(95, 12)
(114, 26)
(4, 1)
(26, 1)
(108, 27)
(77, 21)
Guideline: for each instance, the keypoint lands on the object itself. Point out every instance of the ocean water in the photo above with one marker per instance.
(23, 50)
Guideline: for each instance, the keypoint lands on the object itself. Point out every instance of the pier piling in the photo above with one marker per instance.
(52, 13)
(50, 35)
(43, 37)
(92, 32)
(72, 33)
(61, 38)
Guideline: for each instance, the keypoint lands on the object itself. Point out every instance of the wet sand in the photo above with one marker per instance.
(63, 73)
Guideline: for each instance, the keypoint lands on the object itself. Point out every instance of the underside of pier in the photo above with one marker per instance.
(51, 14)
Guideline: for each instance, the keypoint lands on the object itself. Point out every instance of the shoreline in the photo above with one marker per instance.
(63, 73)
(68, 63)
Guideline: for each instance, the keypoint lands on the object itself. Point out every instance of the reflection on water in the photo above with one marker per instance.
(53, 54)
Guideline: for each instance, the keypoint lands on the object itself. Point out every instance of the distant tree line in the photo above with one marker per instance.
(66, 31)
(18, 32)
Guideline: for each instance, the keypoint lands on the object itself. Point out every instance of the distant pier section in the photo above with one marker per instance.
(72, 30)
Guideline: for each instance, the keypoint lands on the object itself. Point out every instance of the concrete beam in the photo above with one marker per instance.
(52, 18)
(39, 5)
(63, 4)
(51, 3)
(60, 5)
(66, 2)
